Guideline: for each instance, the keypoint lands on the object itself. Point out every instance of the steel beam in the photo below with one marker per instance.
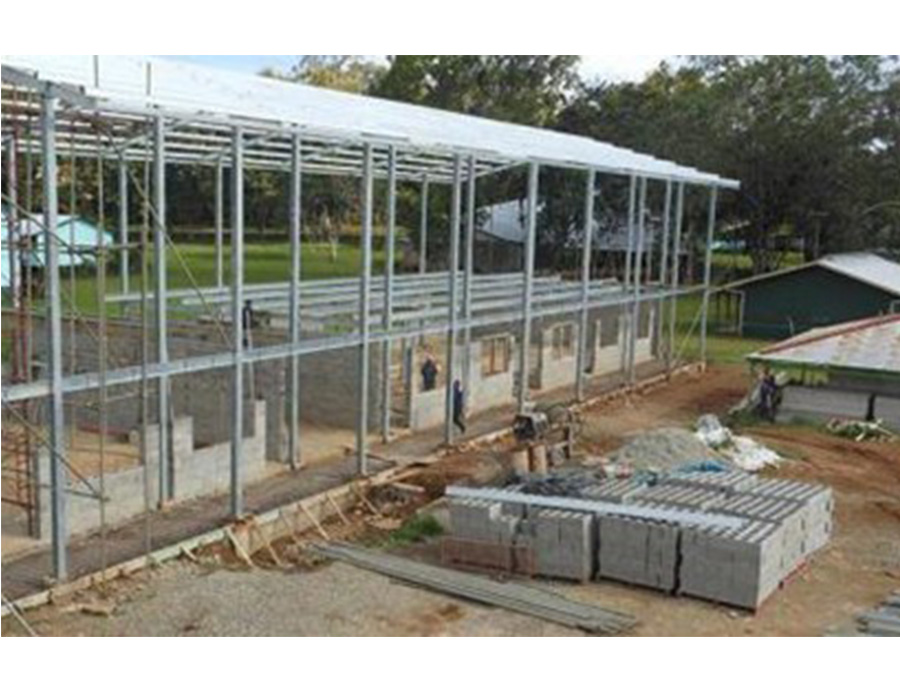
(707, 272)
(581, 360)
(58, 479)
(423, 228)
(387, 315)
(220, 196)
(295, 217)
(528, 275)
(162, 344)
(237, 319)
(452, 308)
(365, 280)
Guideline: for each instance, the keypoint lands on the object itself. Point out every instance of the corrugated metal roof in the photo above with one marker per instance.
(868, 268)
(198, 89)
(868, 344)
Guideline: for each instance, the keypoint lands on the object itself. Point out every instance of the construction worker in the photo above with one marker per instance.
(430, 372)
(768, 395)
(459, 409)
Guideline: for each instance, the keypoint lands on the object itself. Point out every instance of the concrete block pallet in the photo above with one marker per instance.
(756, 533)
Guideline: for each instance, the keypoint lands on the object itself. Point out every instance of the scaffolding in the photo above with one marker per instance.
(138, 116)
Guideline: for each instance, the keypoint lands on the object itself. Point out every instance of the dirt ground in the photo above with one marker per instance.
(858, 569)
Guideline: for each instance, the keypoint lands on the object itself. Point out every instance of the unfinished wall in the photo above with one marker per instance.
(195, 473)
(556, 365)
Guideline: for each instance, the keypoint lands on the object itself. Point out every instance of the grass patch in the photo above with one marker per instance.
(416, 529)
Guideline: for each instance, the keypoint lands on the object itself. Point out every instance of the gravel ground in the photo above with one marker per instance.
(335, 599)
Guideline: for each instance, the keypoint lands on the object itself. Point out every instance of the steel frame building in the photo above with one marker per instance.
(147, 113)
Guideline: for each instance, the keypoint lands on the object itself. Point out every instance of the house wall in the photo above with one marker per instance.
(791, 303)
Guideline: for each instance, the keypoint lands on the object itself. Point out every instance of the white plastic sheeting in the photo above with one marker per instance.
(189, 89)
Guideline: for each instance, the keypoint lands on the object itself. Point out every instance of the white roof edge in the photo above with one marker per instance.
(193, 89)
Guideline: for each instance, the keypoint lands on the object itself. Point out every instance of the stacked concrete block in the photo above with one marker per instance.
(614, 490)
(727, 482)
(564, 544)
(817, 502)
(638, 551)
(687, 496)
(740, 567)
(724, 536)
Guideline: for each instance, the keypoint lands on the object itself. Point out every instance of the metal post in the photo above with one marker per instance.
(159, 252)
(707, 271)
(531, 229)
(388, 316)
(676, 269)
(423, 228)
(220, 262)
(636, 303)
(58, 482)
(663, 262)
(123, 225)
(468, 271)
(365, 290)
(12, 234)
(295, 215)
(453, 273)
(589, 195)
(237, 318)
(626, 328)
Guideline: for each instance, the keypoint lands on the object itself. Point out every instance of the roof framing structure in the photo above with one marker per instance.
(201, 104)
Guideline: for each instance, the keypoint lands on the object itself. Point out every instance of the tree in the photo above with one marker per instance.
(354, 74)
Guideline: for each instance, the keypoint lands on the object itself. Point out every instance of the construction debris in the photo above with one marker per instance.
(662, 450)
(723, 536)
(742, 452)
(506, 595)
(861, 431)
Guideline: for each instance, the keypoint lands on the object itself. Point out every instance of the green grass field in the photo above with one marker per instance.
(271, 263)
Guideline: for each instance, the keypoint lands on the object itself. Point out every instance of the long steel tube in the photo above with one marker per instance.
(528, 275)
(581, 360)
(387, 315)
(452, 306)
(365, 281)
(162, 343)
(237, 318)
(295, 224)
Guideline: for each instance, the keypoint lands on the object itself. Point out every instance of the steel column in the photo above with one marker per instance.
(468, 271)
(636, 302)
(159, 253)
(580, 365)
(423, 228)
(625, 328)
(676, 269)
(58, 481)
(12, 236)
(365, 290)
(295, 218)
(387, 316)
(707, 271)
(237, 319)
(123, 225)
(453, 310)
(220, 262)
(663, 262)
(530, 235)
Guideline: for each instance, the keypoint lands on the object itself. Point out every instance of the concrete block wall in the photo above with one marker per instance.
(821, 404)
(606, 359)
(552, 371)
(195, 473)
(564, 543)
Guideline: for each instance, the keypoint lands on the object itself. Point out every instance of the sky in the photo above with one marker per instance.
(613, 68)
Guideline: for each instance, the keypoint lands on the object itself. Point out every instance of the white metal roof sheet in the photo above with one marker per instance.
(866, 267)
(868, 344)
(197, 89)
